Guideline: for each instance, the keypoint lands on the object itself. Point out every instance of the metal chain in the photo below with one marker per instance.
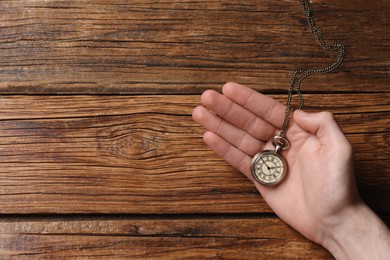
(298, 75)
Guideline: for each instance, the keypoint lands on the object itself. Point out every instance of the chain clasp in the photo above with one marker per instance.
(280, 143)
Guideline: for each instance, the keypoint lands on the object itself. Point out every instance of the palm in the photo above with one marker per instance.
(245, 123)
(288, 199)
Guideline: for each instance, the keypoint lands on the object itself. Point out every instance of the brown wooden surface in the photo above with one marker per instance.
(173, 46)
(99, 156)
(208, 238)
(90, 154)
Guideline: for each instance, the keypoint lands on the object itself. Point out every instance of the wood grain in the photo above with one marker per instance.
(88, 174)
(118, 154)
(175, 46)
(250, 238)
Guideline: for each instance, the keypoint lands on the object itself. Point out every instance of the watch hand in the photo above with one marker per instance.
(265, 164)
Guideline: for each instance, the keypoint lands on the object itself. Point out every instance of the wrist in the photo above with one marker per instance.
(358, 234)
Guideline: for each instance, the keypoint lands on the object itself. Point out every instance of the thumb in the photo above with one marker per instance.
(323, 125)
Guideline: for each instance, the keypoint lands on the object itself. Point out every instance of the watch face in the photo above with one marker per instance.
(269, 168)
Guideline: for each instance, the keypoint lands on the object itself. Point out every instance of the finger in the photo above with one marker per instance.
(229, 153)
(238, 116)
(263, 106)
(235, 136)
(324, 126)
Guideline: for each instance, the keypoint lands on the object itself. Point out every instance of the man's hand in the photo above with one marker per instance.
(319, 188)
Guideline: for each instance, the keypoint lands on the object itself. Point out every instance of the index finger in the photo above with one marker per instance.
(261, 105)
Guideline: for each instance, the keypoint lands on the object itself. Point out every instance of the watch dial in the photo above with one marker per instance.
(269, 168)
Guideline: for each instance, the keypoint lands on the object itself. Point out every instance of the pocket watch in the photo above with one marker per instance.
(269, 167)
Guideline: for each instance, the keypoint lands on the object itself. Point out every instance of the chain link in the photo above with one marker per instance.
(298, 75)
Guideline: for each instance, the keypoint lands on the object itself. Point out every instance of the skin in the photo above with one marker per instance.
(318, 197)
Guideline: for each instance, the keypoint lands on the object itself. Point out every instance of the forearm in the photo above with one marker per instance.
(361, 234)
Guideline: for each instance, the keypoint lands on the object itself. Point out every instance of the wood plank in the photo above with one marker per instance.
(63, 106)
(175, 46)
(209, 238)
(118, 154)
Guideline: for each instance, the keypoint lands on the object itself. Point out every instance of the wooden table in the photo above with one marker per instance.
(99, 156)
